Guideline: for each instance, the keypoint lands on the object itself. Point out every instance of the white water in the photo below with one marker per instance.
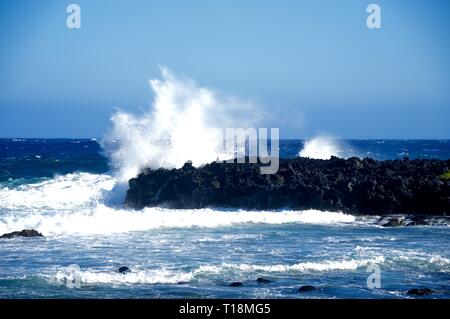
(106, 220)
(76, 204)
(169, 276)
(63, 193)
(207, 272)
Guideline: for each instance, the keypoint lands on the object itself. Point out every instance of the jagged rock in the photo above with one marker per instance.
(124, 270)
(236, 284)
(420, 291)
(391, 221)
(23, 233)
(356, 186)
(263, 280)
(307, 288)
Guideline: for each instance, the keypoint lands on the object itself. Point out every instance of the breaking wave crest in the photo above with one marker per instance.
(228, 271)
(224, 271)
(65, 193)
(79, 203)
(104, 220)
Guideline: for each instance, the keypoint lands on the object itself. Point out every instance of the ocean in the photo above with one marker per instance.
(67, 190)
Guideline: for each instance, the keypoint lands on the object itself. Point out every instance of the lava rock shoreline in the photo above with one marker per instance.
(358, 186)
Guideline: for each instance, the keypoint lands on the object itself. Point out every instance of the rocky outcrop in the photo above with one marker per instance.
(23, 233)
(353, 185)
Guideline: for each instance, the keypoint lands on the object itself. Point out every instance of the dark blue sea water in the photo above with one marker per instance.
(66, 189)
(36, 158)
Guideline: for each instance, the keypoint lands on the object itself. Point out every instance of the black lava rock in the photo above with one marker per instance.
(391, 222)
(413, 220)
(263, 280)
(418, 220)
(307, 288)
(23, 233)
(420, 291)
(236, 284)
(360, 186)
(124, 270)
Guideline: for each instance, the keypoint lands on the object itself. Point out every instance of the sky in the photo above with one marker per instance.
(313, 66)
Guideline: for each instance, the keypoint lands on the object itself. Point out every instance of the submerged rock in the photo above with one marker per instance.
(307, 288)
(350, 185)
(124, 270)
(23, 233)
(420, 291)
(263, 280)
(236, 284)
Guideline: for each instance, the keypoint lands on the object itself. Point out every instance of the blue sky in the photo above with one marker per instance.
(314, 64)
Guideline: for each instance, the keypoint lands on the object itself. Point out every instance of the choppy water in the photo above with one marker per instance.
(63, 188)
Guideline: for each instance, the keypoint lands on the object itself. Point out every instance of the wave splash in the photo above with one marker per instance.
(185, 122)
(322, 147)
